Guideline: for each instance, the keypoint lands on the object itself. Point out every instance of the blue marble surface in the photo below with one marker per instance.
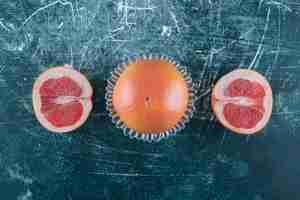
(205, 161)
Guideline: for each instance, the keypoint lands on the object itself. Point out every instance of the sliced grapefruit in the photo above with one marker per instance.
(242, 101)
(62, 99)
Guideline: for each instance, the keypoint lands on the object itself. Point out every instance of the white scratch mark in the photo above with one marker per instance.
(286, 113)
(112, 34)
(166, 31)
(138, 8)
(72, 57)
(121, 28)
(223, 138)
(259, 49)
(268, 71)
(200, 96)
(124, 4)
(212, 118)
(3, 25)
(109, 37)
(279, 102)
(123, 151)
(260, 4)
(157, 166)
(259, 58)
(290, 67)
(60, 25)
(214, 51)
(26, 196)
(289, 78)
(211, 56)
(279, 4)
(2, 68)
(112, 162)
(15, 174)
(120, 45)
(145, 175)
(175, 21)
(116, 40)
(26, 105)
(64, 3)
(275, 3)
(123, 8)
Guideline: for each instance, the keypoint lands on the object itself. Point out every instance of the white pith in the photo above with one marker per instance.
(84, 99)
(221, 99)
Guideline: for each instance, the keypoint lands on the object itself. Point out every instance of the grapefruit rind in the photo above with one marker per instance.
(219, 93)
(149, 136)
(85, 98)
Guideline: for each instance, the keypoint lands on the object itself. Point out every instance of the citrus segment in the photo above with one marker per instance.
(65, 115)
(63, 86)
(246, 88)
(242, 116)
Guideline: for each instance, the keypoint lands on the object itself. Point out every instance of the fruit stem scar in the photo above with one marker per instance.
(147, 102)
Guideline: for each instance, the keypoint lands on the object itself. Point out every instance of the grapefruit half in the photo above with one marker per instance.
(242, 101)
(62, 99)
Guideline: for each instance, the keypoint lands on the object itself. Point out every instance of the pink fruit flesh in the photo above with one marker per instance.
(241, 116)
(59, 99)
(243, 87)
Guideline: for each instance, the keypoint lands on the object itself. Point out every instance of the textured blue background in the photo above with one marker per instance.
(205, 161)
